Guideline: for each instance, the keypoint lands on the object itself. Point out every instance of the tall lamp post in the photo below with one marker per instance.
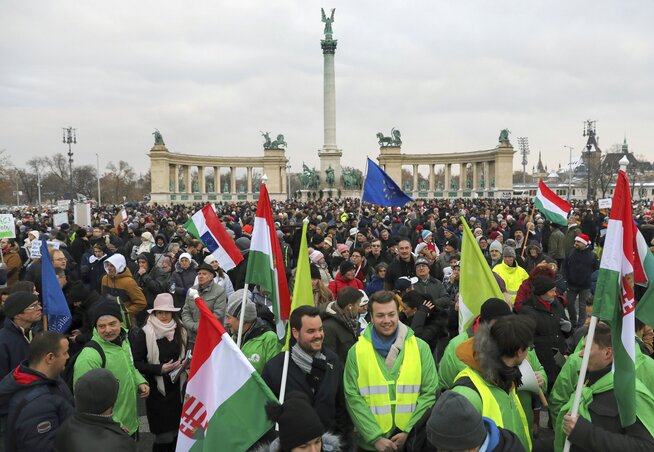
(569, 172)
(97, 170)
(589, 131)
(70, 138)
(288, 179)
(523, 145)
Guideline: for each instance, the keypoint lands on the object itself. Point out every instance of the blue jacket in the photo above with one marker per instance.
(13, 347)
(36, 407)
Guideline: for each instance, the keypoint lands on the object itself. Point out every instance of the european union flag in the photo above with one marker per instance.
(380, 189)
(54, 302)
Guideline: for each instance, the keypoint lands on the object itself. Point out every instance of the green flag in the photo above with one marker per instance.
(477, 283)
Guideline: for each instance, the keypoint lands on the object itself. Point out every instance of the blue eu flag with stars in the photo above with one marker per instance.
(380, 189)
(54, 302)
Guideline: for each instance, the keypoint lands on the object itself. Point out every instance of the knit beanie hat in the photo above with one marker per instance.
(542, 285)
(234, 306)
(315, 256)
(493, 308)
(426, 233)
(317, 239)
(105, 308)
(96, 391)
(18, 302)
(508, 252)
(341, 247)
(455, 424)
(345, 267)
(497, 246)
(243, 244)
(298, 421)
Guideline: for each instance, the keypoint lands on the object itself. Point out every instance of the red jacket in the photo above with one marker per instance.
(337, 284)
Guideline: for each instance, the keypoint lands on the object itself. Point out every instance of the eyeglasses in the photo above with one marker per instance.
(33, 307)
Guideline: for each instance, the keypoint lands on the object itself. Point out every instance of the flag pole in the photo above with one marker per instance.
(531, 220)
(582, 374)
(241, 316)
(363, 187)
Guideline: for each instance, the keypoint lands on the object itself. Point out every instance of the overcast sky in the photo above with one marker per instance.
(211, 74)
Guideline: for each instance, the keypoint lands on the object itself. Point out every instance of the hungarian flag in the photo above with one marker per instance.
(266, 264)
(476, 282)
(224, 407)
(551, 205)
(614, 297)
(206, 227)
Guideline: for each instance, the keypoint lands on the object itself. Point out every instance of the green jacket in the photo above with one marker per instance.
(566, 383)
(369, 431)
(260, 349)
(119, 361)
(451, 365)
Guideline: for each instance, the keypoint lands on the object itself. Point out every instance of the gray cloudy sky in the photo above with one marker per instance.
(211, 74)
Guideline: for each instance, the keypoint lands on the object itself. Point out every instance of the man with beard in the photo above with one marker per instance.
(492, 375)
(312, 369)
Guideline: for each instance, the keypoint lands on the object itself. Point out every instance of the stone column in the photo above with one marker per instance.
(415, 178)
(330, 155)
(448, 176)
(202, 184)
(232, 179)
(187, 178)
(432, 178)
(463, 176)
(216, 179)
(172, 173)
(475, 176)
(486, 175)
(249, 179)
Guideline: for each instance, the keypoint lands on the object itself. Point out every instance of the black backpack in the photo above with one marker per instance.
(69, 370)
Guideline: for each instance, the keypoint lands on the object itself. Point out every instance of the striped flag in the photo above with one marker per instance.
(266, 264)
(551, 205)
(614, 297)
(205, 226)
(224, 407)
(55, 307)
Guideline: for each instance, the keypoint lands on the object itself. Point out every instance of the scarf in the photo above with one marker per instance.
(352, 322)
(314, 366)
(154, 330)
(93, 259)
(382, 345)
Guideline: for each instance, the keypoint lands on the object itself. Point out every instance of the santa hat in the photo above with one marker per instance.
(583, 238)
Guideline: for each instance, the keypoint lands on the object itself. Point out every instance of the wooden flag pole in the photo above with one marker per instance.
(531, 220)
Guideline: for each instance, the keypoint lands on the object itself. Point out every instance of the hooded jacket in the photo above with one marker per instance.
(122, 286)
(216, 300)
(183, 280)
(46, 404)
(512, 276)
(260, 344)
(330, 442)
(119, 361)
(14, 347)
(339, 335)
(338, 283)
(81, 430)
(14, 264)
(153, 282)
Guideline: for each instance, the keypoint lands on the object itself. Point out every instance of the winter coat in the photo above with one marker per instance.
(512, 276)
(215, 299)
(92, 271)
(81, 431)
(330, 442)
(556, 245)
(163, 411)
(260, 344)
(573, 231)
(338, 283)
(430, 326)
(122, 286)
(14, 347)
(364, 421)
(14, 264)
(78, 248)
(579, 266)
(435, 289)
(237, 274)
(339, 335)
(183, 280)
(46, 404)
(328, 400)
(118, 360)
(548, 334)
(398, 268)
(153, 282)
(375, 285)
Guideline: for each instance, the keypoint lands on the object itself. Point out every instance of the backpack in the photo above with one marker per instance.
(69, 370)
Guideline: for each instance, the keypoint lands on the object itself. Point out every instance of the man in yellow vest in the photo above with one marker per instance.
(390, 378)
(490, 379)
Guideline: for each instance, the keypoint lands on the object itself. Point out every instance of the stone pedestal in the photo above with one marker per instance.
(330, 157)
(330, 193)
(305, 195)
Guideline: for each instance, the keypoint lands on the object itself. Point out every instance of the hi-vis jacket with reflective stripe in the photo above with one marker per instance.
(381, 401)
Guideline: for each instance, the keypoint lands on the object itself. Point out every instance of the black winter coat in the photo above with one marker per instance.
(578, 267)
(339, 335)
(328, 400)
(183, 280)
(46, 404)
(548, 334)
(81, 431)
(397, 269)
(153, 282)
(13, 347)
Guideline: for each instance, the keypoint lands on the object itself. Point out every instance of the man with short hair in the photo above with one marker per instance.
(312, 369)
(211, 292)
(112, 339)
(511, 273)
(578, 267)
(403, 265)
(22, 311)
(598, 426)
(36, 400)
(390, 378)
(341, 322)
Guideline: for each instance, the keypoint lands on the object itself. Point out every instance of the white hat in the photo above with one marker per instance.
(163, 302)
(353, 231)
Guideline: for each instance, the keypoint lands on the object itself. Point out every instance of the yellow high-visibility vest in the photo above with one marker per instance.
(490, 408)
(375, 389)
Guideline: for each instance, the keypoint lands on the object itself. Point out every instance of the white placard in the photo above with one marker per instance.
(7, 226)
(83, 214)
(605, 203)
(35, 250)
(59, 219)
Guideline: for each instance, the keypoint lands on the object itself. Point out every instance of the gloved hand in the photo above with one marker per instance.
(565, 325)
(193, 293)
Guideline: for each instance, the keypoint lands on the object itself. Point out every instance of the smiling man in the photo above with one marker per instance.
(390, 378)
(314, 370)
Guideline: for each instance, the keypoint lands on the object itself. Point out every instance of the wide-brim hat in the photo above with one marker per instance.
(163, 302)
(206, 267)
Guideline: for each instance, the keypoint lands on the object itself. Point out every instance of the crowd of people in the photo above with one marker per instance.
(377, 363)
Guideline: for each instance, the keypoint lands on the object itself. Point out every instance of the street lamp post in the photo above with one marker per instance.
(38, 184)
(569, 172)
(70, 138)
(97, 163)
(288, 179)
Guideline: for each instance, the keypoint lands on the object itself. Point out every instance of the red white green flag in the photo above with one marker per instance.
(266, 263)
(224, 407)
(551, 205)
(614, 297)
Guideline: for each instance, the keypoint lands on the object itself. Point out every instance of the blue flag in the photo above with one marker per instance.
(54, 302)
(380, 189)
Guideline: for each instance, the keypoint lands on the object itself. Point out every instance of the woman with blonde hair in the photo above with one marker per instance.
(322, 296)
